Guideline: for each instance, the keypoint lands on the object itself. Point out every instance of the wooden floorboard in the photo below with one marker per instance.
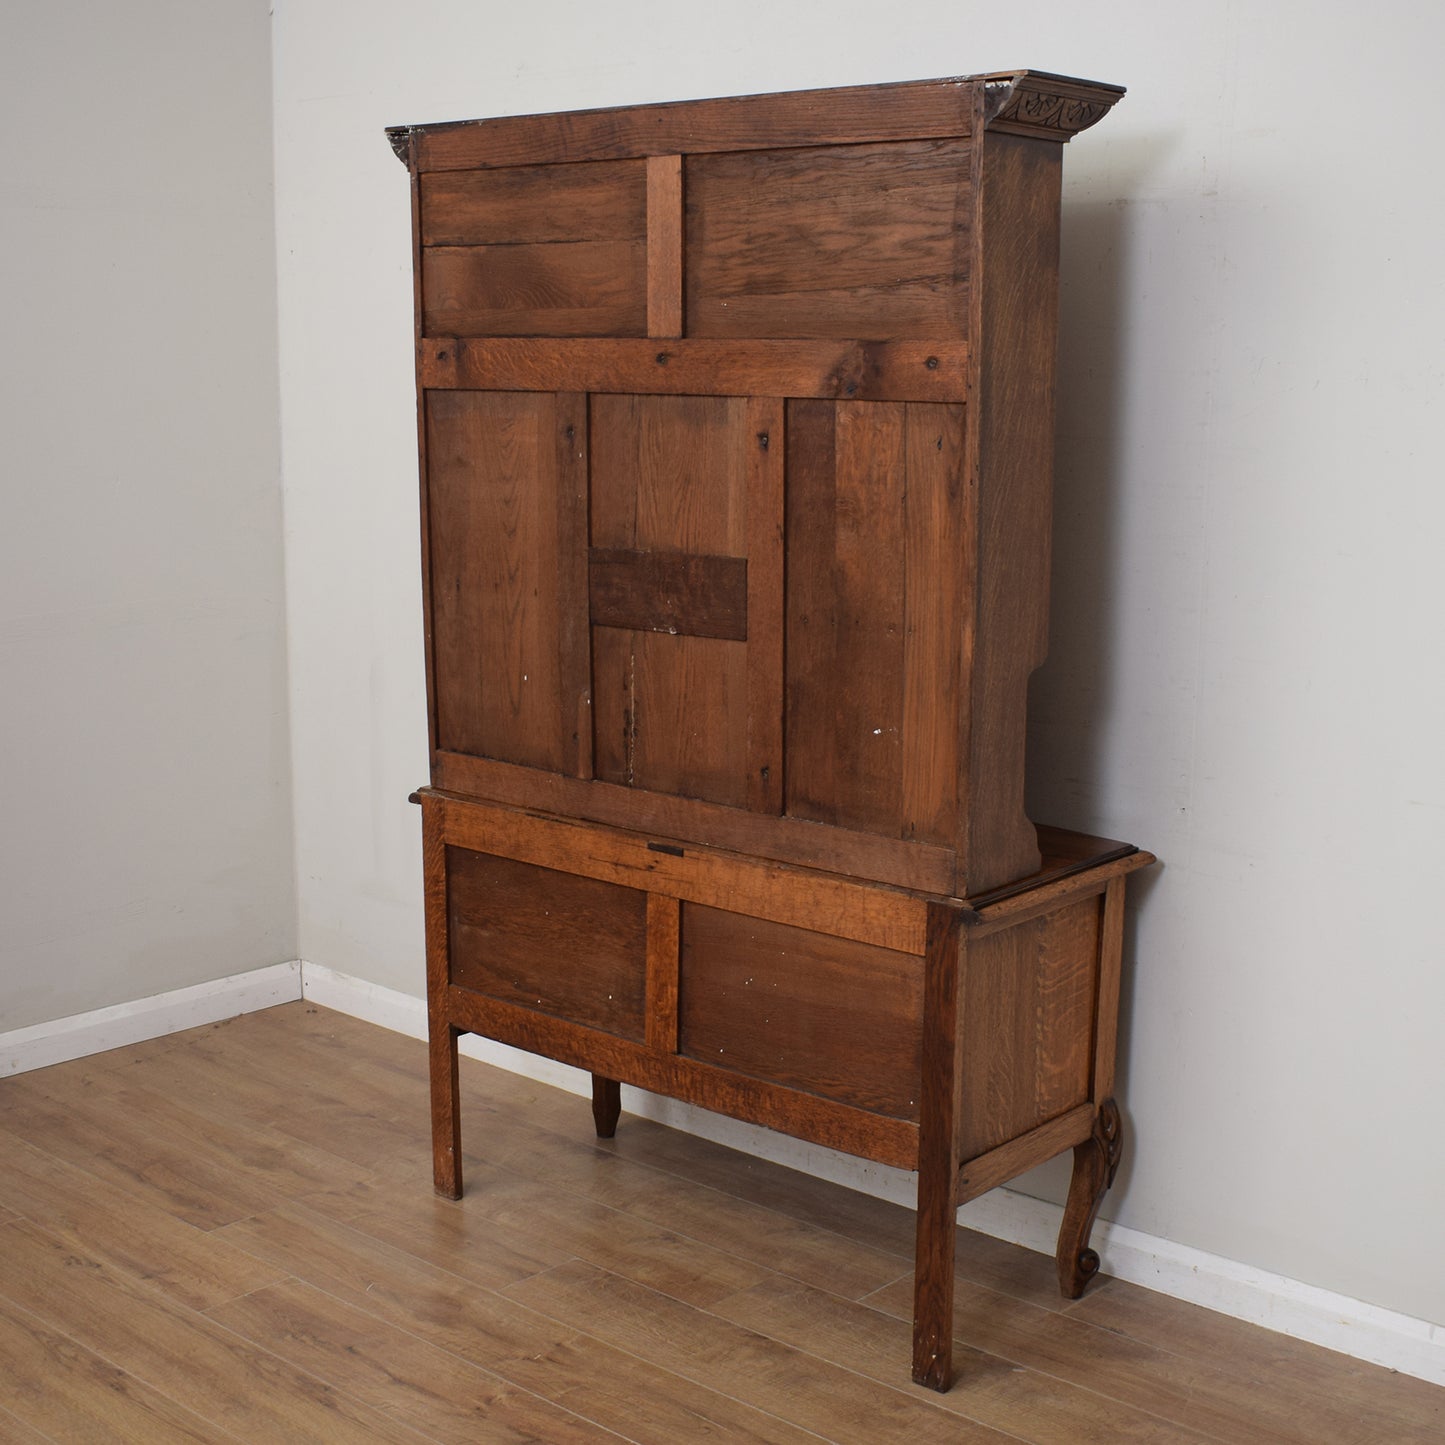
(230, 1234)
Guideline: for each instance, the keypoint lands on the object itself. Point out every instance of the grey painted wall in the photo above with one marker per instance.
(145, 812)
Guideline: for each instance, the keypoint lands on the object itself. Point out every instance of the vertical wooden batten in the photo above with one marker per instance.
(664, 246)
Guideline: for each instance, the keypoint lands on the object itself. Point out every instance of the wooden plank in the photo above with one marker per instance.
(767, 451)
(997, 1166)
(412, 1381)
(759, 122)
(446, 1129)
(847, 619)
(935, 576)
(498, 578)
(846, 369)
(574, 640)
(674, 592)
(535, 205)
(786, 840)
(664, 246)
(1016, 280)
(840, 1405)
(509, 925)
(804, 1116)
(940, 1109)
(664, 923)
(1014, 907)
(822, 1014)
(573, 288)
(1111, 948)
(815, 901)
(1028, 1040)
(829, 241)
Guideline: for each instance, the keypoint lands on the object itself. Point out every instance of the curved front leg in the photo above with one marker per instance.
(1096, 1161)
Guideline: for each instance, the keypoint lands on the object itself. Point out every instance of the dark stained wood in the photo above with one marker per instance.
(664, 932)
(758, 1101)
(830, 241)
(851, 370)
(664, 246)
(441, 1034)
(510, 923)
(829, 1016)
(759, 122)
(940, 1113)
(606, 1105)
(1017, 241)
(577, 288)
(788, 840)
(738, 441)
(821, 902)
(495, 496)
(675, 592)
(874, 610)
(535, 205)
(766, 449)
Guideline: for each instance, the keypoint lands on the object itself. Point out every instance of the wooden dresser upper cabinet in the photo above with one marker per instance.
(737, 432)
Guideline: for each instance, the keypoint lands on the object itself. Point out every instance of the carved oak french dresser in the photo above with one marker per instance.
(736, 429)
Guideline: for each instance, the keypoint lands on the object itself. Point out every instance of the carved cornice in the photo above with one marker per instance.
(400, 138)
(1048, 107)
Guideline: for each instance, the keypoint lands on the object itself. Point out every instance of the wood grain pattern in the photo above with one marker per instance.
(509, 924)
(850, 370)
(385, 1276)
(944, 1021)
(571, 288)
(496, 494)
(766, 446)
(1016, 278)
(834, 1018)
(680, 593)
(535, 205)
(787, 840)
(875, 598)
(833, 241)
(839, 116)
(664, 952)
(664, 246)
(817, 901)
(1028, 1024)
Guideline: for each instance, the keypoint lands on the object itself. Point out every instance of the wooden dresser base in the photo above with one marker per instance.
(969, 1040)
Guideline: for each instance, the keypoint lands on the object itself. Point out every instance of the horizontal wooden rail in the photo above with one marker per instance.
(842, 370)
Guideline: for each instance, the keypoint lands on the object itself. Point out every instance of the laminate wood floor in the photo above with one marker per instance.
(229, 1234)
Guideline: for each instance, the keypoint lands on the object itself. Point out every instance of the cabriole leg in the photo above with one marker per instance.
(1096, 1161)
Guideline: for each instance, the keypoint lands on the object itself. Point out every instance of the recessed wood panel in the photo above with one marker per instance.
(864, 241)
(517, 205)
(1028, 1023)
(562, 945)
(535, 251)
(506, 516)
(670, 714)
(875, 589)
(670, 472)
(821, 1014)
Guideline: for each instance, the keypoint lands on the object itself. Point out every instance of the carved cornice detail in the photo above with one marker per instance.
(400, 138)
(1046, 106)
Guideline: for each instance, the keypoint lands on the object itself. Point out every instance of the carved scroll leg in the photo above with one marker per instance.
(606, 1105)
(446, 1130)
(1096, 1161)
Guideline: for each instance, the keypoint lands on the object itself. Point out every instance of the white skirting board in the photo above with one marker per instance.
(1383, 1337)
(81, 1035)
